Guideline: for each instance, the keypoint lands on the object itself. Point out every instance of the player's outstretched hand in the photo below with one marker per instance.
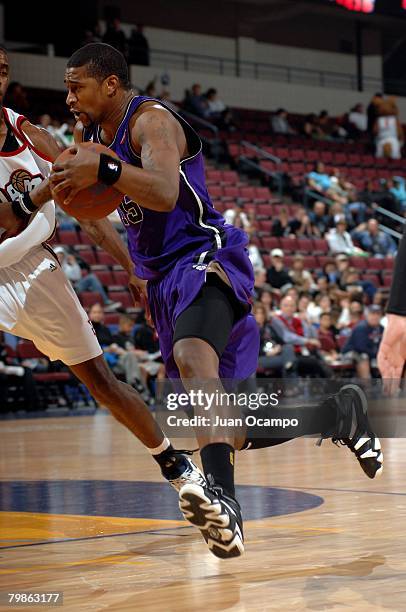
(138, 290)
(392, 352)
(76, 173)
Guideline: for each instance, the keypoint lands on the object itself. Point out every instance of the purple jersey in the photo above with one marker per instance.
(172, 250)
(156, 240)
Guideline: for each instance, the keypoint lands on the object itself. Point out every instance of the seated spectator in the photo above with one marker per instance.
(301, 225)
(290, 329)
(329, 347)
(363, 344)
(280, 124)
(340, 241)
(321, 182)
(90, 282)
(165, 97)
(138, 47)
(353, 283)
(277, 275)
(118, 349)
(330, 272)
(281, 225)
(116, 37)
(319, 218)
(310, 127)
(255, 257)
(266, 299)
(322, 303)
(376, 242)
(259, 282)
(398, 189)
(358, 121)
(301, 278)
(328, 128)
(195, 102)
(214, 104)
(13, 374)
(146, 343)
(273, 353)
(238, 217)
(351, 314)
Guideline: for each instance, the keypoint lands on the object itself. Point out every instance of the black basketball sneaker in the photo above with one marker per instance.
(354, 430)
(180, 470)
(217, 515)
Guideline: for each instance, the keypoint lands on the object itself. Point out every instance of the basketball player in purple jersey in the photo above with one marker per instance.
(194, 268)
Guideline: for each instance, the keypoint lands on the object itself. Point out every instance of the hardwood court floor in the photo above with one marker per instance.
(83, 511)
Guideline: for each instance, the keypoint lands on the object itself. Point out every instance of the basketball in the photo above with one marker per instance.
(96, 201)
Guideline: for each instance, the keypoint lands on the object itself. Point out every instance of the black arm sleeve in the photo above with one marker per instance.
(397, 298)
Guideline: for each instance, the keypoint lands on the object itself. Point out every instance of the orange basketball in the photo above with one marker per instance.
(96, 201)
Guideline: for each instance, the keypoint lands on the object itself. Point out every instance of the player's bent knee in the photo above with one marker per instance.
(195, 358)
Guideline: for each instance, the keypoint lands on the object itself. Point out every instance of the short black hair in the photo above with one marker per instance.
(3, 48)
(101, 61)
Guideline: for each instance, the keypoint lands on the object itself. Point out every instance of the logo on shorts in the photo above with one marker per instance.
(200, 266)
(52, 267)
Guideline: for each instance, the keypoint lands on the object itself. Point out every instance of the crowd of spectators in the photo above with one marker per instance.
(135, 47)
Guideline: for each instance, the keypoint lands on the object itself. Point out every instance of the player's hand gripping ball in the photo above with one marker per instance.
(74, 166)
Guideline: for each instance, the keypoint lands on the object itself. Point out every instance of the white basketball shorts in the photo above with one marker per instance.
(38, 302)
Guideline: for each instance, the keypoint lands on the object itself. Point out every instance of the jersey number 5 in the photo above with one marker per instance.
(131, 213)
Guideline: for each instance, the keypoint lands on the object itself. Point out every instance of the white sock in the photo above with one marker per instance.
(161, 448)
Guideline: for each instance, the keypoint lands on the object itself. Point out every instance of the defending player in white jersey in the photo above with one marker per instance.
(37, 301)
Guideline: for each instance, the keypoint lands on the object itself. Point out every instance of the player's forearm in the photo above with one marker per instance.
(105, 236)
(41, 194)
(148, 188)
(397, 298)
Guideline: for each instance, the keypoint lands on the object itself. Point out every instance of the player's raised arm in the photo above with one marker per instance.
(159, 139)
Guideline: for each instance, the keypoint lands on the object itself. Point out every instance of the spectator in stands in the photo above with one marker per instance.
(328, 128)
(259, 282)
(310, 127)
(358, 121)
(321, 182)
(277, 275)
(398, 189)
(90, 282)
(364, 341)
(329, 347)
(372, 113)
(280, 123)
(150, 90)
(322, 303)
(138, 47)
(351, 314)
(273, 353)
(266, 299)
(319, 218)
(238, 217)
(339, 240)
(280, 226)
(166, 98)
(17, 98)
(301, 278)
(195, 102)
(12, 373)
(353, 283)
(215, 105)
(330, 273)
(115, 37)
(376, 242)
(301, 226)
(388, 130)
(290, 329)
(255, 256)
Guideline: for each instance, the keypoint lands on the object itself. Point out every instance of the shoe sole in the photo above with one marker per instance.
(374, 460)
(208, 517)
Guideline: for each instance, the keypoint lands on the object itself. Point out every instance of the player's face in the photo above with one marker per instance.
(85, 96)
(4, 75)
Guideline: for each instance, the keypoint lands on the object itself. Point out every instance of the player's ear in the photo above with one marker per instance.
(112, 83)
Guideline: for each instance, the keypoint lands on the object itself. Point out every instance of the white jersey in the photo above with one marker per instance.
(387, 128)
(36, 299)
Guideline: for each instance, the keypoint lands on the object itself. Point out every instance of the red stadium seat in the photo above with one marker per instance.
(69, 237)
(320, 246)
(111, 318)
(105, 277)
(215, 191)
(305, 245)
(27, 350)
(88, 298)
(122, 296)
(120, 278)
(230, 176)
(289, 245)
(231, 192)
(88, 256)
(270, 242)
(105, 259)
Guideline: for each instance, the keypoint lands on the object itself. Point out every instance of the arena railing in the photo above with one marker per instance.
(260, 70)
(214, 143)
(261, 155)
(394, 217)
